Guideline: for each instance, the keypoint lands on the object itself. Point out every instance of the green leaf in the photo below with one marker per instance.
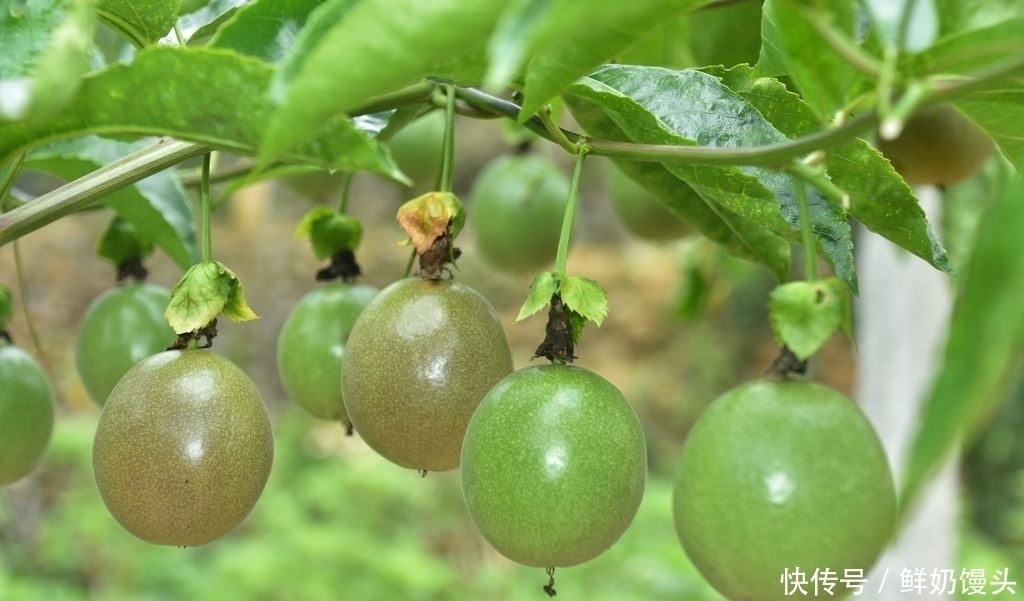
(141, 21)
(960, 16)
(1000, 112)
(204, 292)
(191, 104)
(329, 231)
(157, 207)
(689, 107)
(584, 296)
(543, 287)
(576, 323)
(205, 21)
(922, 24)
(265, 29)
(575, 37)
(804, 315)
(879, 198)
(730, 34)
(6, 307)
(984, 344)
(742, 237)
(512, 40)
(120, 242)
(964, 50)
(790, 45)
(46, 46)
(352, 50)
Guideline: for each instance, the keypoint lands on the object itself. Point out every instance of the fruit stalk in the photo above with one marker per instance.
(570, 212)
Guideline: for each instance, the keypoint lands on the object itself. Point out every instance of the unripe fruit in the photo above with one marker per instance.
(419, 359)
(938, 145)
(121, 327)
(311, 347)
(518, 202)
(640, 211)
(183, 448)
(553, 465)
(26, 413)
(776, 476)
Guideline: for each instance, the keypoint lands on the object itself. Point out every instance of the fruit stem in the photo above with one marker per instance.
(207, 210)
(8, 177)
(807, 234)
(549, 588)
(570, 212)
(448, 150)
(409, 263)
(346, 187)
(22, 277)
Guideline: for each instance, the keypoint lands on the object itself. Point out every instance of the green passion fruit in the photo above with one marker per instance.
(781, 475)
(183, 448)
(518, 202)
(26, 412)
(640, 211)
(553, 465)
(121, 327)
(311, 346)
(418, 360)
(938, 145)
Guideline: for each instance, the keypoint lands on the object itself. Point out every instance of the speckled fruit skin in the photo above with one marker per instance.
(183, 448)
(26, 413)
(517, 204)
(419, 359)
(553, 465)
(121, 327)
(311, 346)
(640, 211)
(938, 145)
(778, 475)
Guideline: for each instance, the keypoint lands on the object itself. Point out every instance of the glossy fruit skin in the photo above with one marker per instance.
(183, 448)
(938, 145)
(517, 205)
(640, 211)
(777, 475)
(122, 326)
(419, 359)
(26, 413)
(311, 346)
(553, 465)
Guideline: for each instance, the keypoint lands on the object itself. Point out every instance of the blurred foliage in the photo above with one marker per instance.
(335, 521)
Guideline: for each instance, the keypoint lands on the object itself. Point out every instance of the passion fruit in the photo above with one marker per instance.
(26, 412)
(418, 360)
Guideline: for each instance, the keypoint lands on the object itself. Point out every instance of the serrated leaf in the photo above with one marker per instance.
(740, 236)
(141, 21)
(689, 107)
(791, 46)
(575, 37)
(922, 23)
(122, 100)
(46, 46)
(576, 324)
(329, 231)
(120, 242)
(204, 292)
(157, 207)
(426, 217)
(265, 29)
(879, 198)
(374, 47)
(6, 307)
(584, 296)
(983, 348)
(804, 315)
(541, 290)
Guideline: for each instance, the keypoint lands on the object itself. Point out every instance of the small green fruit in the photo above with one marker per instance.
(311, 347)
(553, 465)
(183, 448)
(640, 211)
(26, 413)
(121, 327)
(776, 476)
(419, 359)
